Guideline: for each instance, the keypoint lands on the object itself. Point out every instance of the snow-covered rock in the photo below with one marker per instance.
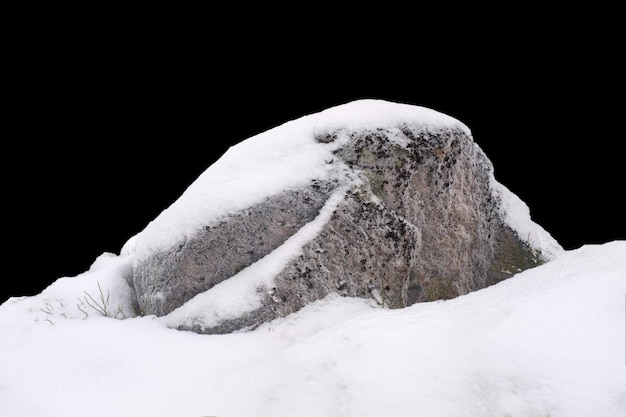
(370, 199)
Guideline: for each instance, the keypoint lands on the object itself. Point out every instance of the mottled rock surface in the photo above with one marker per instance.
(419, 221)
(170, 278)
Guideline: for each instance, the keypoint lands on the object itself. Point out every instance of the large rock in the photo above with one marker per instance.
(416, 216)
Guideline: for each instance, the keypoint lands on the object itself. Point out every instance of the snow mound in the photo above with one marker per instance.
(548, 341)
(101, 291)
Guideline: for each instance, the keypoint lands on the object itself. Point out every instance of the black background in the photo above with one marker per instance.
(108, 121)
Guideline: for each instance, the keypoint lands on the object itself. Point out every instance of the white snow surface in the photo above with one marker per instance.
(516, 214)
(281, 158)
(240, 293)
(375, 114)
(546, 342)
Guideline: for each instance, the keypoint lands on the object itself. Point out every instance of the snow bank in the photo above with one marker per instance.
(102, 290)
(549, 341)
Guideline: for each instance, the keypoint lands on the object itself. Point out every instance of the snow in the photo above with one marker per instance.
(239, 294)
(67, 298)
(517, 215)
(375, 114)
(273, 161)
(548, 341)
(285, 157)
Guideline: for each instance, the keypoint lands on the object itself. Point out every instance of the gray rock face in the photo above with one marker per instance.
(216, 253)
(422, 224)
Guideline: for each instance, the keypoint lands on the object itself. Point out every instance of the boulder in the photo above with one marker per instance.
(416, 215)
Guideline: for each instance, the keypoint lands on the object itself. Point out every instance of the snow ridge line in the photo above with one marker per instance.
(244, 291)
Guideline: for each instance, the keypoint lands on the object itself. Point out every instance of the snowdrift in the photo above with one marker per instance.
(547, 342)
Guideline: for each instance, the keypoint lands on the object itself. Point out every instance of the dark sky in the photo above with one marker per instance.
(106, 132)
